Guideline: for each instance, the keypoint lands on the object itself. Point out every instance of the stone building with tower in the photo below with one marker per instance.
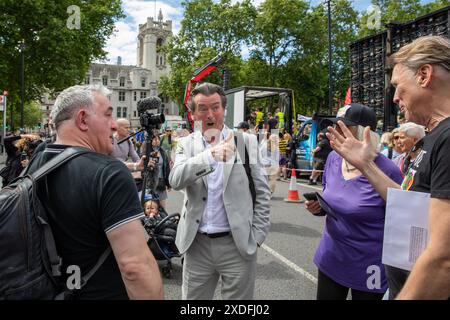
(129, 84)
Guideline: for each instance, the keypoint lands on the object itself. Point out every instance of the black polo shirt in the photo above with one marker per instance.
(85, 199)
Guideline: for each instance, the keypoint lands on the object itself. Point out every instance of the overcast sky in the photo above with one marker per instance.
(124, 41)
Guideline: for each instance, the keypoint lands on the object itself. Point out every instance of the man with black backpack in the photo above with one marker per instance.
(91, 204)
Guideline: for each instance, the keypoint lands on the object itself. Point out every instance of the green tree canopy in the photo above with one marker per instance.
(396, 11)
(32, 117)
(57, 53)
(287, 44)
(208, 28)
(278, 29)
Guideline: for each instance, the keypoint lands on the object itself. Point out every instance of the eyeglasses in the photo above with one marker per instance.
(396, 137)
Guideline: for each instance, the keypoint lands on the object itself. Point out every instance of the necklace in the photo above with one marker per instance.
(347, 167)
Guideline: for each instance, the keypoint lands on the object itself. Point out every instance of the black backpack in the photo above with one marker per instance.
(29, 264)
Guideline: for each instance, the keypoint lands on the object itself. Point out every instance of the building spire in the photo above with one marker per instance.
(160, 16)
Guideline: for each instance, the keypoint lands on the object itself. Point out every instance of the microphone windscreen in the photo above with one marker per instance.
(149, 103)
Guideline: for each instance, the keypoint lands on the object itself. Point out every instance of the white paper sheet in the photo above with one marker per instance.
(406, 227)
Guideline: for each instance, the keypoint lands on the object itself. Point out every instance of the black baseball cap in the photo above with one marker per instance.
(243, 125)
(355, 114)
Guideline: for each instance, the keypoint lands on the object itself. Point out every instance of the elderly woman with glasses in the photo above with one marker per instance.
(392, 151)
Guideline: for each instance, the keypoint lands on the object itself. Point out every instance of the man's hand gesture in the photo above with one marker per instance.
(357, 153)
(224, 150)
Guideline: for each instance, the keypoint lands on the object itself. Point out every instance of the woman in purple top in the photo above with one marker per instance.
(349, 253)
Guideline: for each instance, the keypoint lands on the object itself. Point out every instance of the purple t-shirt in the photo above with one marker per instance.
(353, 242)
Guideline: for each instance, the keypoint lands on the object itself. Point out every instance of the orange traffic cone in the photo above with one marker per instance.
(293, 192)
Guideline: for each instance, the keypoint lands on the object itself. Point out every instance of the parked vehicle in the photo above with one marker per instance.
(238, 103)
(306, 141)
(238, 99)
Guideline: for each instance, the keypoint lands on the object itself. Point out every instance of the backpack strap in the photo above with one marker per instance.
(56, 261)
(68, 294)
(53, 257)
(238, 136)
(65, 156)
(94, 269)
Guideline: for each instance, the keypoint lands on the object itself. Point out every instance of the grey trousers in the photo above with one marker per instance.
(209, 259)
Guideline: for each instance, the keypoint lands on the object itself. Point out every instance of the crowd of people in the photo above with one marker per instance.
(19, 150)
(222, 224)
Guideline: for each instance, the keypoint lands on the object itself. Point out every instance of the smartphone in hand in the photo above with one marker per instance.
(310, 196)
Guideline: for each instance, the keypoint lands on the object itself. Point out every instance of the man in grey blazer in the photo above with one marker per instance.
(220, 227)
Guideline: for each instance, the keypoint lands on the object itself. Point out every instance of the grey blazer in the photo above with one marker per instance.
(249, 226)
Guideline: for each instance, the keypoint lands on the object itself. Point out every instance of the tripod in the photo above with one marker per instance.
(147, 172)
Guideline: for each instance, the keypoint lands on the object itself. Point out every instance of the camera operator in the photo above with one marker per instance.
(159, 179)
(19, 152)
(151, 123)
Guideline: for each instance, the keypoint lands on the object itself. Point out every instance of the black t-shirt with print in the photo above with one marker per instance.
(430, 173)
(88, 197)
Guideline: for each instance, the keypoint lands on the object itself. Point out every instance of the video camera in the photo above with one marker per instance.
(150, 120)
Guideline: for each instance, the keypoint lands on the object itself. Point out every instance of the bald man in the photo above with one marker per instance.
(125, 151)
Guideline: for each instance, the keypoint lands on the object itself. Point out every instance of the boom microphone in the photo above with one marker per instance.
(149, 103)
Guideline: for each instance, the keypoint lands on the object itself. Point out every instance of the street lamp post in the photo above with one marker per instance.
(330, 66)
(22, 81)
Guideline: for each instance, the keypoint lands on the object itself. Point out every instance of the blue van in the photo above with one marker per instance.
(306, 141)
